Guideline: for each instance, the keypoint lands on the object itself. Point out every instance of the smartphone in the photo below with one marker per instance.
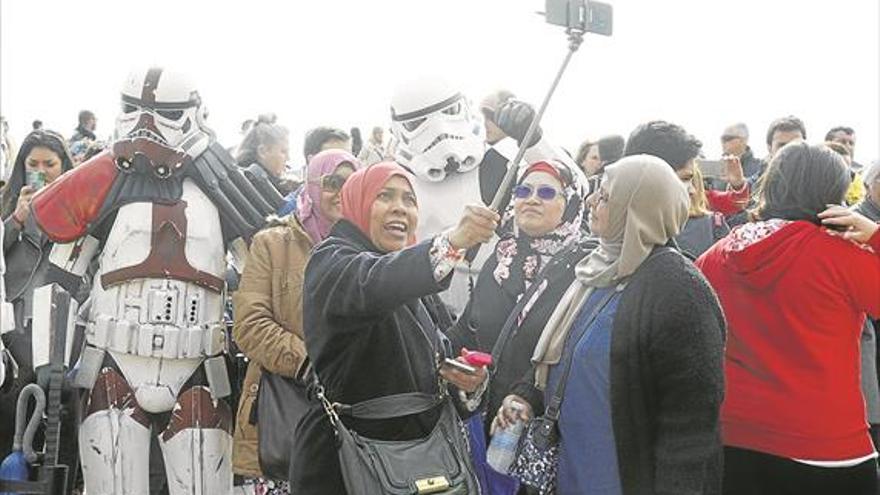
(583, 15)
(36, 179)
(477, 358)
(464, 368)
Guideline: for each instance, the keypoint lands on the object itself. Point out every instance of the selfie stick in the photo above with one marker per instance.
(575, 37)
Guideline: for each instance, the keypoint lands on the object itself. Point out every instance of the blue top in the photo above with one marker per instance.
(588, 453)
(289, 205)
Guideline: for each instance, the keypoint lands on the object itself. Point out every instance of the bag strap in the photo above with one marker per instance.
(390, 406)
(510, 323)
(552, 411)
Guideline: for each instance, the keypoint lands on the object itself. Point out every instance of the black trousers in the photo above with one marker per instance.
(747, 472)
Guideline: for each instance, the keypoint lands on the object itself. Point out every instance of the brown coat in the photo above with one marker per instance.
(268, 323)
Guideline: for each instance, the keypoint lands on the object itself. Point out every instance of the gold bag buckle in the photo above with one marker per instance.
(432, 485)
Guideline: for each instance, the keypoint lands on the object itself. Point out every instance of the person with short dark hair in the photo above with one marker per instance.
(86, 123)
(325, 138)
(856, 192)
(610, 149)
(676, 147)
(846, 137)
(783, 131)
(795, 286)
(843, 135)
(587, 157)
(84, 142)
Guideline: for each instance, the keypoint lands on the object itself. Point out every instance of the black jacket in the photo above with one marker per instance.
(369, 332)
(484, 318)
(667, 381)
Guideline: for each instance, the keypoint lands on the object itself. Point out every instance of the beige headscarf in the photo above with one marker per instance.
(647, 206)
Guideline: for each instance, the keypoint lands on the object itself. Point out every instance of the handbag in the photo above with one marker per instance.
(438, 463)
(281, 403)
(537, 454)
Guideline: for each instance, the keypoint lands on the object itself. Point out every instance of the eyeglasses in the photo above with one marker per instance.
(331, 182)
(525, 191)
(727, 139)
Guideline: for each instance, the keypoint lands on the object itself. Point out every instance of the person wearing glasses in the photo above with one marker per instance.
(531, 266)
(735, 143)
(644, 335)
(268, 309)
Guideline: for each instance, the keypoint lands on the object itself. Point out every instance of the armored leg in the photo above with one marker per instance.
(197, 445)
(114, 439)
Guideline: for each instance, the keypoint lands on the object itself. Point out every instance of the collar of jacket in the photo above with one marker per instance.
(86, 133)
(346, 230)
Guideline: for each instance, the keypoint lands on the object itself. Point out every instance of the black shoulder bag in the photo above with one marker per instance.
(438, 463)
(280, 405)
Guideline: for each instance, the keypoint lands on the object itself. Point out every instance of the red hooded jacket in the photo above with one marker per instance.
(795, 297)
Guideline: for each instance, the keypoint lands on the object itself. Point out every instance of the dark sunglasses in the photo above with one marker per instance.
(726, 139)
(331, 182)
(525, 191)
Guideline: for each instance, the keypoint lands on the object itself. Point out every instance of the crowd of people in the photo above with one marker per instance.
(708, 334)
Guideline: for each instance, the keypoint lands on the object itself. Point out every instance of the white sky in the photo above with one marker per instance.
(699, 63)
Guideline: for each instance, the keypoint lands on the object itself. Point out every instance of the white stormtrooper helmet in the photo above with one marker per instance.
(438, 131)
(163, 106)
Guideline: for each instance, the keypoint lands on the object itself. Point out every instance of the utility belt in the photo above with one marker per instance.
(156, 340)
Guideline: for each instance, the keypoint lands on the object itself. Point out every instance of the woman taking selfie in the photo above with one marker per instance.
(371, 326)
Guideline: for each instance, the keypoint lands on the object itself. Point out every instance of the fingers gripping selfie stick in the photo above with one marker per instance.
(579, 17)
(575, 38)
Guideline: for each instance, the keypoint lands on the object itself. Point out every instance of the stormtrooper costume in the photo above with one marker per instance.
(442, 140)
(158, 212)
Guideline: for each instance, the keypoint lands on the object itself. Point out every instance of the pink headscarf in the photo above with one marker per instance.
(308, 203)
(361, 190)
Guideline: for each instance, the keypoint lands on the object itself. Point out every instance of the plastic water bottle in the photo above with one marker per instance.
(502, 448)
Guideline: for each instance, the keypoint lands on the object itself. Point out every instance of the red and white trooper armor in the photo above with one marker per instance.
(158, 213)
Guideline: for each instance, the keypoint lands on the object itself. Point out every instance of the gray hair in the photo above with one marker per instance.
(739, 130)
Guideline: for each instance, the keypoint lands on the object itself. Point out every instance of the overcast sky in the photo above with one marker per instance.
(700, 63)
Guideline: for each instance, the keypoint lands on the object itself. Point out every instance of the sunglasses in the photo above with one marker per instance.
(727, 139)
(331, 182)
(525, 191)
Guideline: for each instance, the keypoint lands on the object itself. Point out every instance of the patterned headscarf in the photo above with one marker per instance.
(521, 257)
(308, 210)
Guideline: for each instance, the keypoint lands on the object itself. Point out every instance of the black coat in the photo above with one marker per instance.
(369, 332)
(483, 319)
(667, 381)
